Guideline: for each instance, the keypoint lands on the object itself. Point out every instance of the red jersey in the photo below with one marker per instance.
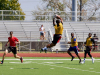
(12, 41)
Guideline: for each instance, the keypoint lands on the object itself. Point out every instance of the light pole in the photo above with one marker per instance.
(80, 10)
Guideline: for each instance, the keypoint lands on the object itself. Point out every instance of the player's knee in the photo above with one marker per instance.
(5, 53)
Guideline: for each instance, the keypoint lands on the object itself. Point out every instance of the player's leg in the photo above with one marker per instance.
(85, 55)
(14, 51)
(91, 57)
(56, 39)
(40, 36)
(21, 58)
(70, 49)
(8, 50)
(46, 47)
(77, 53)
(43, 36)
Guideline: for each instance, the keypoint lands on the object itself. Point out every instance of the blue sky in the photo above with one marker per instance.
(29, 5)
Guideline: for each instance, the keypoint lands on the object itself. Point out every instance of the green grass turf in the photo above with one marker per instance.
(49, 67)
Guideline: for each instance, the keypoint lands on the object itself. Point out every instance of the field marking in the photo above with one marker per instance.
(91, 68)
(50, 59)
(50, 64)
(11, 68)
(51, 68)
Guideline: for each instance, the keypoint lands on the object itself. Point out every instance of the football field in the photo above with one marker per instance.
(49, 66)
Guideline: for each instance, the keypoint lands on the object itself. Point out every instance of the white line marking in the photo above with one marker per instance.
(70, 68)
(49, 59)
(97, 72)
(11, 68)
(51, 68)
(91, 68)
(52, 65)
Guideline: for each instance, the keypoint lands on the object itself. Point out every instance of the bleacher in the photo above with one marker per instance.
(23, 30)
(29, 31)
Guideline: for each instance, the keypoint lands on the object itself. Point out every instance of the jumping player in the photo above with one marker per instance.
(88, 43)
(58, 32)
(12, 48)
(73, 47)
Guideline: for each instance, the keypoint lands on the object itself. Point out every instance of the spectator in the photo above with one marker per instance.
(42, 32)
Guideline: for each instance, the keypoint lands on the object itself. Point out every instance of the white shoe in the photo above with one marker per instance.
(83, 62)
(93, 60)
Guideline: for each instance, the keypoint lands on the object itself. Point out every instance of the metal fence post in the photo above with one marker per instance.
(83, 41)
(2, 14)
(19, 47)
(19, 15)
(30, 41)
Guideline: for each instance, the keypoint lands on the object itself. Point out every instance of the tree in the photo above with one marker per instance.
(89, 9)
(51, 5)
(11, 5)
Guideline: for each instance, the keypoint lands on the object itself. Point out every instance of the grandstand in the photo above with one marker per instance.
(29, 32)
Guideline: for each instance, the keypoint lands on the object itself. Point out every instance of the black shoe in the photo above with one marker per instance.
(41, 50)
(72, 58)
(1, 62)
(80, 61)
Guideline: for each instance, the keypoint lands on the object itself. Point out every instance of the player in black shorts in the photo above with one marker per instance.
(12, 48)
(58, 32)
(88, 43)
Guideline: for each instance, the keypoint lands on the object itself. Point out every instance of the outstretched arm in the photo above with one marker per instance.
(57, 16)
(54, 22)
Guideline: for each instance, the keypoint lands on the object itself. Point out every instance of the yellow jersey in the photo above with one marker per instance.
(74, 44)
(88, 41)
(58, 29)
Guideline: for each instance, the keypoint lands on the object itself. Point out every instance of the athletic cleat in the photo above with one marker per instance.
(72, 58)
(80, 61)
(21, 59)
(83, 62)
(93, 61)
(1, 62)
(41, 50)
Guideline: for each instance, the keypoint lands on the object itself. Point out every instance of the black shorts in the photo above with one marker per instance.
(12, 49)
(88, 48)
(41, 34)
(56, 38)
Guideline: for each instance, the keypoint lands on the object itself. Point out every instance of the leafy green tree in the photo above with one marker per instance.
(89, 9)
(51, 5)
(11, 5)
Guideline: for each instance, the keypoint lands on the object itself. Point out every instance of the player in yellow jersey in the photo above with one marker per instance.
(73, 47)
(89, 42)
(58, 32)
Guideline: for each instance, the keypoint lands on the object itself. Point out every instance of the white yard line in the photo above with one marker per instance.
(49, 59)
(50, 64)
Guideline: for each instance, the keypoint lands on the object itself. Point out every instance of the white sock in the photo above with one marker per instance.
(92, 58)
(45, 48)
(84, 60)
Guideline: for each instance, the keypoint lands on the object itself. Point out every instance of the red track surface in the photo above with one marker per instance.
(48, 54)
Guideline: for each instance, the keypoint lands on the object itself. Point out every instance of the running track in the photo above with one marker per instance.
(48, 54)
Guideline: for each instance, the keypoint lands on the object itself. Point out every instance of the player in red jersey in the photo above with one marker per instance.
(12, 47)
